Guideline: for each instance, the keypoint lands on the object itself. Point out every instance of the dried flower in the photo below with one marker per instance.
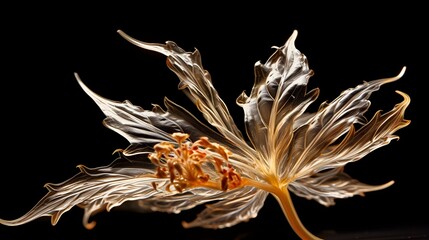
(175, 162)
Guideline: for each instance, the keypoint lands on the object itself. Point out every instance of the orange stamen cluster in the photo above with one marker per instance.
(186, 164)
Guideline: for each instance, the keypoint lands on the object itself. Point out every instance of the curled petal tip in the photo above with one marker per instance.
(76, 75)
(161, 48)
(90, 225)
(185, 224)
(292, 38)
(383, 186)
(392, 79)
(406, 97)
(122, 33)
(295, 33)
(402, 72)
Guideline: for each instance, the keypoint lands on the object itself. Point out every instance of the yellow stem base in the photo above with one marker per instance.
(285, 201)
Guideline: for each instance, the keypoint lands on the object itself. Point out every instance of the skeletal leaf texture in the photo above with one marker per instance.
(175, 161)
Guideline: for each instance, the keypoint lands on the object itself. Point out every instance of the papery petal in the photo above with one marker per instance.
(325, 186)
(277, 101)
(94, 190)
(376, 133)
(183, 201)
(314, 141)
(233, 210)
(195, 81)
(143, 128)
(176, 203)
(133, 122)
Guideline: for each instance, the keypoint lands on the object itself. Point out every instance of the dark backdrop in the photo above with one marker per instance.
(50, 125)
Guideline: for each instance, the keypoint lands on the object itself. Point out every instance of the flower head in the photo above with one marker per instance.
(175, 161)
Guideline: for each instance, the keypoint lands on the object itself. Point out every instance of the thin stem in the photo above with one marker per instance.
(283, 197)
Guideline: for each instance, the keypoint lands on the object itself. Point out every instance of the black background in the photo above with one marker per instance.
(50, 125)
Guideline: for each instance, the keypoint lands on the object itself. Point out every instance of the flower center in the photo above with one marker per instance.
(198, 164)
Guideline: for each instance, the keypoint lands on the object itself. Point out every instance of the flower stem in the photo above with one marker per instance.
(283, 197)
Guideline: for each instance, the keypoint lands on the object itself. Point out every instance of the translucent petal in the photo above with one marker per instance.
(94, 190)
(144, 128)
(277, 100)
(378, 132)
(195, 81)
(132, 122)
(232, 210)
(315, 140)
(325, 186)
(184, 201)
